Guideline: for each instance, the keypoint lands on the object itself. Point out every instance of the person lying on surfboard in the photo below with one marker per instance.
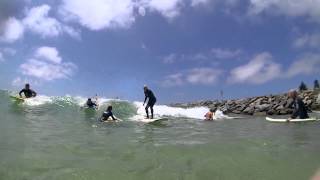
(209, 116)
(91, 104)
(107, 114)
(28, 93)
(300, 109)
(151, 102)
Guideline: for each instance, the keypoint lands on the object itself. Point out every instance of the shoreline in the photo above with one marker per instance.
(278, 104)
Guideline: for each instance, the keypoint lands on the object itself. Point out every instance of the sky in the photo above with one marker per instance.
(184, 50)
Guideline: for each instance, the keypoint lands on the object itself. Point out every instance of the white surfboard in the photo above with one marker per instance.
(145, 120)
(110, 120)
(292, 120)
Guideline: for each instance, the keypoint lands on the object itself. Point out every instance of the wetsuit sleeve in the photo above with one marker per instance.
(145, 99)
(34, 94)
(21, 92)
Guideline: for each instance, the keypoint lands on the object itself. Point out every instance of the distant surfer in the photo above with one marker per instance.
(91, 104)
(300, 109)
(107, 114)
(151, 100)
(28, 93)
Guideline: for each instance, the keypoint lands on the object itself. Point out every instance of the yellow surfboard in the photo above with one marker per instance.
(17, 98)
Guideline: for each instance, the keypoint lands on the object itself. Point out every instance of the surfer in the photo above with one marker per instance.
(151, 102)
(209, 116)
(107, 114)
(91, 104)
(300, 110)
(28, 93)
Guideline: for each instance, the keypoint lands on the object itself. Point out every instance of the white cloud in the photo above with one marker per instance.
(48, 53)
(99, 14)
(47, 65)
(306, 65)
(308, 40)
(225, 53)
(173, 80)
(38, 21)
(168, 8)
(13, 30)
(6, 52)
(19, 82)
(170, 59)
(310, 8)
(213, 54)
(259, 70)
(204, 76)
(1, 57)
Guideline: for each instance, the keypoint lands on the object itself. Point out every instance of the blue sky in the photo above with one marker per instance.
(184, 50)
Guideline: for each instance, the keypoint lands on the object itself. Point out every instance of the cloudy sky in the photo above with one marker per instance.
(183, 49)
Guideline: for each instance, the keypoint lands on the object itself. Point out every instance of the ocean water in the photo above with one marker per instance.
(52, 138)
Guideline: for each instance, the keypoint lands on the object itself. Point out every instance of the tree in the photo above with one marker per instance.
(303, 87)
(316, 85)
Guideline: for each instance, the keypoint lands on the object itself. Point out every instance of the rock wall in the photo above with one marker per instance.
(261, 105)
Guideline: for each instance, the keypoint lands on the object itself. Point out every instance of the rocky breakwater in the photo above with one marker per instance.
(261, 105)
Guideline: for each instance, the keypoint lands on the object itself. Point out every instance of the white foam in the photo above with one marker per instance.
(37, 101)
(163, 110)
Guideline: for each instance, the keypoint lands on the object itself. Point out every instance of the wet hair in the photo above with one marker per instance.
(109, 108)
(213, 109)
(89, 99)
(27, 84)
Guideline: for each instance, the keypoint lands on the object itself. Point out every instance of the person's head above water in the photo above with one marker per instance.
(89, 99)
(292, 94)
(109, 108)
(145, 87)
(27, 86)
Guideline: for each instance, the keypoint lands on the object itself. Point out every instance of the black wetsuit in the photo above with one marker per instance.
(91, 104)
(108, 114)
(300, 109)
(151, 102)
(28, 93)
(152, 99)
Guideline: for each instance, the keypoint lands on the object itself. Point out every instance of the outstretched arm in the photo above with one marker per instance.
(20, 93)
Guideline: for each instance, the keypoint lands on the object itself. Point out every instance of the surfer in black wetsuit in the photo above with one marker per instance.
(151, 102)
(107, 114)
(300, 110)
(28, 93)
(91, 104)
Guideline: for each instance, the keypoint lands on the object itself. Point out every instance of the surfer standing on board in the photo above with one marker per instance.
(28, 93)
(151, 102)
(300, 110)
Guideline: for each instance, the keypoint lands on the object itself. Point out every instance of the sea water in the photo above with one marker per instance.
(53, 138)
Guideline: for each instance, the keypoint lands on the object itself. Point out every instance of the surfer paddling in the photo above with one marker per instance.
(151, 100)
(28, 93)
(300, 110)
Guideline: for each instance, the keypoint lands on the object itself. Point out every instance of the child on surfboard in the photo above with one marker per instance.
(107, 114)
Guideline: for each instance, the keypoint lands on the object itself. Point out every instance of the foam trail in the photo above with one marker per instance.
(163, 110)
(37, 101)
